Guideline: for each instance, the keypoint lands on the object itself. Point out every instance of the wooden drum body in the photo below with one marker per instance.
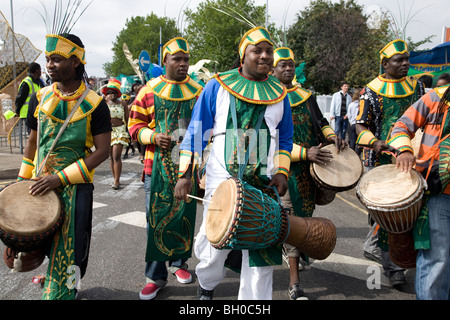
(341, 174)
(26, 221)
(242, 217)
(392, 198)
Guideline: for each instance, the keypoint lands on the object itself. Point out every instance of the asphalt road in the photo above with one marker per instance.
(116, 265)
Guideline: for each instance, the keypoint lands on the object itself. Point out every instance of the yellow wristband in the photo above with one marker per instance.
(76, 173)
(366, 138)
(282, 162)
(146, 136)
(185, 161)
(298, 153)
(401, 142)
(26, 169)
(328, 132)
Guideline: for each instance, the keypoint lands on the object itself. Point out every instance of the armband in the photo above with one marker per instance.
(147, 136)
(26, 169)
(76, 173)
(328, 132)
(366, 138)
(282, 162)
(401, 142)
(298, 153)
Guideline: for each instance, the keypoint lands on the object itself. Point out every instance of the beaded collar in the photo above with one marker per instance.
(264, 92)
(393, 88)
(298, 95)
(174, 90)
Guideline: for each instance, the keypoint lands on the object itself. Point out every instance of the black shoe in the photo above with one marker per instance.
(125, 156)
(296, 292)
(397, 279)
(203, 294)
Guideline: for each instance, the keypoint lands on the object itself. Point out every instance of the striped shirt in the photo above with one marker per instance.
(142, 115)
(424, 114)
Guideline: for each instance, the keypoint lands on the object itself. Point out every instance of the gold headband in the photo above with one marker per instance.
(282, 53)
(56, 44)
(174, 45)
(254, 36)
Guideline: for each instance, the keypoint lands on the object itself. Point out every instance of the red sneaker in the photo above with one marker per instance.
(183, 276)
(149, 292)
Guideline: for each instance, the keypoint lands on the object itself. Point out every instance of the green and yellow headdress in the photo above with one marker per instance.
(282, 53)
(56, 44)
(174, 45)
(254, 36)
(392, 48)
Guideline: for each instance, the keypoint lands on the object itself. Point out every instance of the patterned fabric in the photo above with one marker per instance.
(298, 95)
(435, 147)
(142, 122)
(301, 183)
(174, 90)
(282, 53)
(113, 84)
(175, 45)
(119, 135)
(379, 112)
(253, 37)
(397, 46)
(267, 92)
(70, 148)
(164, 106)
(56, 44)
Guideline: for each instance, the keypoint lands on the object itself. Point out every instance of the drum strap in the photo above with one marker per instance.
(252, 142)
(66, 122)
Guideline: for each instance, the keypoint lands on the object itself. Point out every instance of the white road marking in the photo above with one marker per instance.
(349, 266)
(136, 218)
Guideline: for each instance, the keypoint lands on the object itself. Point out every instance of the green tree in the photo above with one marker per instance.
(325, 35)
(139, 33)
(216, 27)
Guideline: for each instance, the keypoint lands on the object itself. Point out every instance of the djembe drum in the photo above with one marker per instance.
(394, 199)
(27, 222)
(341, 174)
(242, 217)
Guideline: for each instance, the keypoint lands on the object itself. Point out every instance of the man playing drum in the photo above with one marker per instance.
(69, 168)
(234, 104)
(432, 230)
(310, 130)
(155, 119)
(382, 102)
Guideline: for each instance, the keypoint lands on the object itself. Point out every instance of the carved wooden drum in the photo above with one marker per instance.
(244, 218)
(26, 221)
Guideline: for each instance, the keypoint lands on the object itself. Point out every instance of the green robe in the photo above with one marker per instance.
(171, 222)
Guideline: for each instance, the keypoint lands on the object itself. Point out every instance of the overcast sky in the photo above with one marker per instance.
(103, 20)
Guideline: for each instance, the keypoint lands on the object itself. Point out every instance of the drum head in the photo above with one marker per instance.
(387, 185)
(221, 211)
(25, 215)
(343, 172)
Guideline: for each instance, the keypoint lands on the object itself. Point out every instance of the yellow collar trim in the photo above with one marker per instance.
(173, 90)
(298, 95)
(398, 88)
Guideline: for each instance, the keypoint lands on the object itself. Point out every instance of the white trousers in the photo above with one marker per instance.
(255, 282)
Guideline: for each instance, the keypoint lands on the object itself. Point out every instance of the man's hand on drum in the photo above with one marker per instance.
(319, 155)
(280, 182)
(405, 161)
(163, 140)
(183, 188)
(340, 143)
(45, 184)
